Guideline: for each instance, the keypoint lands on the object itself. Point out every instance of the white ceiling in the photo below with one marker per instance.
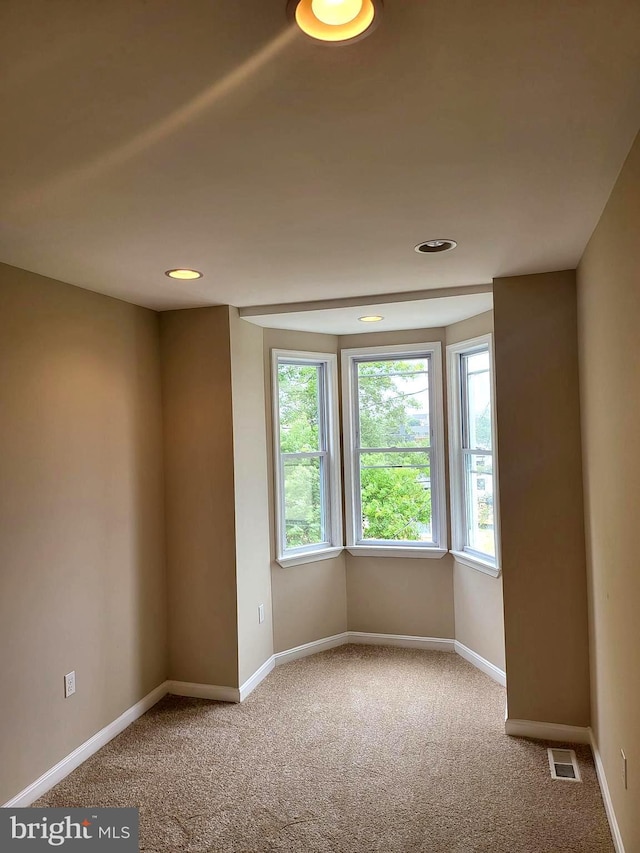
(142, 136)
(410, 314)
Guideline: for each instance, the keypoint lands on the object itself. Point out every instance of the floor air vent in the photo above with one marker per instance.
(564, 765)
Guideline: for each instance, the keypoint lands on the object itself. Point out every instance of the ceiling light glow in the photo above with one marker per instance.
(336, 12)
(371, 318)
(335, 21)
(184, 274)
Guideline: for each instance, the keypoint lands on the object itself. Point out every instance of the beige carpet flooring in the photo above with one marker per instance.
(353, 750)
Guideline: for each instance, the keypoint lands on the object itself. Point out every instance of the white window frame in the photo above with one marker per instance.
(462, 553)
(349, 359)
(329, 429)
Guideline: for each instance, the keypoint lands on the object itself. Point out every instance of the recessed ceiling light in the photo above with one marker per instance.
(184, 275)
(335, 21)
(371, 318)
(430, 247)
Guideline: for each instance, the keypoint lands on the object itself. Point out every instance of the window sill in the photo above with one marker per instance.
(390, 551)
(309, 557)
(476, 563)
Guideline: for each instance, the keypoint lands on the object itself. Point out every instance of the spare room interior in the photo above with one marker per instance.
(318, 396)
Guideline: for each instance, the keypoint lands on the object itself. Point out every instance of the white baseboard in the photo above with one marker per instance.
(259, 675)
(481, 663)
(62, 769)
(547, 731)
(203, 691)
(439, 644)
(311, 648)
(518, 728)
(401, 641)
(235, 695)
(606, 795)
(217, 693)
(364, 639)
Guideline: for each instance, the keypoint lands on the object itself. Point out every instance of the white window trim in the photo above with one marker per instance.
(302, 557)
(461, 553)
(310, 553)
(405, 551)
(438, 449)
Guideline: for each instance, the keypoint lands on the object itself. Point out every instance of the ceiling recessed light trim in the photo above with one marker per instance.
(184, 274)
(351, 20)
(371, 318)
(432, 247)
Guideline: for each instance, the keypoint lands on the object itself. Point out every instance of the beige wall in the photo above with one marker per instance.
(609, 318)
(477, 597)
(255, 640)
(473, 327)
(405, 596)
(82, 583)
(539, 450)
(479, 613)
(309, 601)
(199, 476)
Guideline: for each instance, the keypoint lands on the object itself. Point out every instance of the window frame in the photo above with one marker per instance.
(330, 450)
(457, 452)
(367, 548)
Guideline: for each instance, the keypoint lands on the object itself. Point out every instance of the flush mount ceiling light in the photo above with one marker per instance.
(430, 247)
(371, 318)
(335, 21)
(184, 275)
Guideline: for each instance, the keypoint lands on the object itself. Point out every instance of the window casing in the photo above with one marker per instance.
(394, 451)
(308, 501)
(472, 455)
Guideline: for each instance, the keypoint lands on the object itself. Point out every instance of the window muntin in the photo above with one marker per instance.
(307, 472)
(394, 487)
(473, 492)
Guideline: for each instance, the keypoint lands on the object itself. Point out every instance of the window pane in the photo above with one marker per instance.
(299, 398)
(393, 403)
(396, 496)
(479, 503)
(304, 524)
(478, 402)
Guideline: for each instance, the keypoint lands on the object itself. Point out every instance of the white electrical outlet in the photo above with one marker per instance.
(261, 613)
(69, 684)
(624, 768)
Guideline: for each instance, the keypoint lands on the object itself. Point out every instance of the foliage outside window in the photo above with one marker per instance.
(393, 448)
(308, 483)
(474, 507)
